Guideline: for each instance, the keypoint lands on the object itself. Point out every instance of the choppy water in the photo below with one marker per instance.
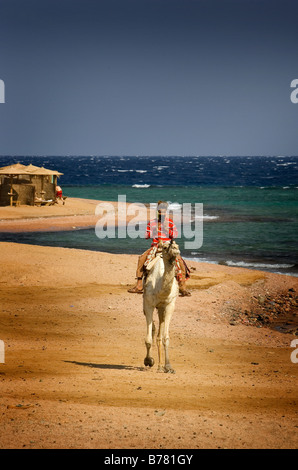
(250, 203)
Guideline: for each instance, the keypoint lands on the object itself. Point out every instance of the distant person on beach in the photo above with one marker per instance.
(160, 229)
(59, 194)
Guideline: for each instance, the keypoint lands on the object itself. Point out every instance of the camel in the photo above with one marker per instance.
(160, 292)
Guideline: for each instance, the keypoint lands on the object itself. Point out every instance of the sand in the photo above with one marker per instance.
(75, 213)
(74, 377)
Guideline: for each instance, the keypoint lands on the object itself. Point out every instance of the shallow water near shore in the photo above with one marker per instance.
(224, 254)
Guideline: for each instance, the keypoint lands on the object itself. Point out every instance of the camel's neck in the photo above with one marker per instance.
(169, 274)
(162, 276)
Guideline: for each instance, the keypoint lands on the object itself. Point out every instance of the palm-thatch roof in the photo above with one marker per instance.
(19, 169)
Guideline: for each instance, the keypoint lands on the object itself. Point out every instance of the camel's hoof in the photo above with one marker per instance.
(166, 369)
(149, 361)
(169, 370)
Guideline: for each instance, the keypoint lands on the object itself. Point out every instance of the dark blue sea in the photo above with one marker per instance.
(250, 204)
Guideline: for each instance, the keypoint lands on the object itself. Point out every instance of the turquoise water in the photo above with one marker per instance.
(242, 226)
(250, 204)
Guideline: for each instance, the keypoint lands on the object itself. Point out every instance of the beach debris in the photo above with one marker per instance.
(19, 406)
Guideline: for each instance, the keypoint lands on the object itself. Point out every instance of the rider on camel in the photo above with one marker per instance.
(160, 229)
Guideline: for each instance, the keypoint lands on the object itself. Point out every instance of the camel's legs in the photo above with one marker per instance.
(166, 342)
(148, 311)
(159, 340)
(163, 338)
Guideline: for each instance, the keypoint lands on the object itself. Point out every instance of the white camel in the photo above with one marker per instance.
(160, 292)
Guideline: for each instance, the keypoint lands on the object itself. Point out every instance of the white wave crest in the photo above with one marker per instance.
(141, 186)
(207, 217)
(243, 264)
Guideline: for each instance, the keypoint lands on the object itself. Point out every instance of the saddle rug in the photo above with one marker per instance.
(178, 272)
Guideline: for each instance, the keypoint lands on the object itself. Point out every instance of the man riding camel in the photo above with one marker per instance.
(161, 229)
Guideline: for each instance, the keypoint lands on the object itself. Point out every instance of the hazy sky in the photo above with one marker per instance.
(148, 77)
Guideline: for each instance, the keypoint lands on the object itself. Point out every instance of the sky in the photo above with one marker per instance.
(148, 77)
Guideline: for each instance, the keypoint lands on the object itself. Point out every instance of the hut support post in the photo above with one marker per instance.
(11, 192)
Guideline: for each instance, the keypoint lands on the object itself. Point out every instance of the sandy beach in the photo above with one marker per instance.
(74, 377)
(75, 213)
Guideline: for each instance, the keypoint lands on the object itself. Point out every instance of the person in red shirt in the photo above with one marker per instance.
(160, 229)
(59, 194)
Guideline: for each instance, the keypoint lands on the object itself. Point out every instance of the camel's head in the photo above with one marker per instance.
(170, 250)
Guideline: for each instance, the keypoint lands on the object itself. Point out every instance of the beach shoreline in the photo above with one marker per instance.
(74, 377)
(75, 213)
(80, 214)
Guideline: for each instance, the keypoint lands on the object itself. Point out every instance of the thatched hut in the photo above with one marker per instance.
(21, 184)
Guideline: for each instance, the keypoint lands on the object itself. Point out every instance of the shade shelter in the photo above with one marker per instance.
(21, 184)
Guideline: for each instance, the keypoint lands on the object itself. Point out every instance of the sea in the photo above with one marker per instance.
(250, 204)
